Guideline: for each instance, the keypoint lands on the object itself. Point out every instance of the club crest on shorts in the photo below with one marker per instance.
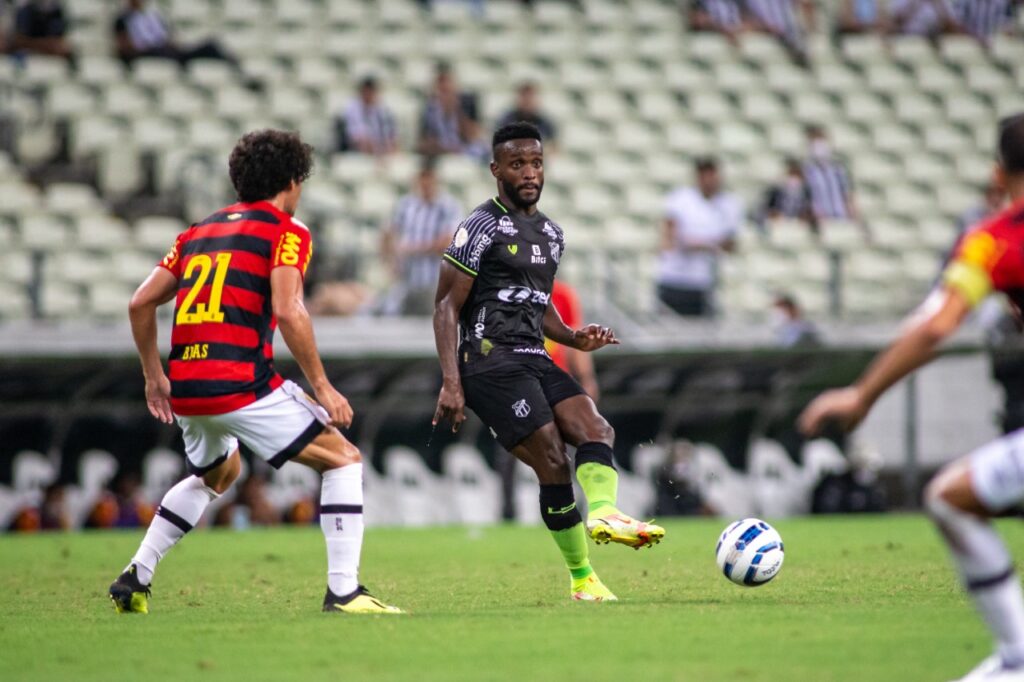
(521, 408)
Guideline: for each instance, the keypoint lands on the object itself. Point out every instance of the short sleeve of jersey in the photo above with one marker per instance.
(973, 267)
(294, 247)
(172, 261)
(471, 241)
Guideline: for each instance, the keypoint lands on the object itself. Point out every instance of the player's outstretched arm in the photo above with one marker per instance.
(159, 288)
(913, 348)
(589, 338)
(297, 332)
(453, 287)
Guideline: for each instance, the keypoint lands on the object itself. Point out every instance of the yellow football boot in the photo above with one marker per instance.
(617, 527)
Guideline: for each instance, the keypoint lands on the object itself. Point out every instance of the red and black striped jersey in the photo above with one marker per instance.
(222, 341)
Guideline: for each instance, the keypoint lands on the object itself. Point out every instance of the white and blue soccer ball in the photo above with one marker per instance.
(750, 552)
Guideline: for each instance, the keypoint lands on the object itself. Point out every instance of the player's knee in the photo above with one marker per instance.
(554, 467)
(596, 430)
(344, 455)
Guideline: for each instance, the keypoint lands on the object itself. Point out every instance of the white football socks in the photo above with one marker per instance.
(986, 569)
(341, 519)
(179, 511)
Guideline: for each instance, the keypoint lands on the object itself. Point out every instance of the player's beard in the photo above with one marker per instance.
(512, 192)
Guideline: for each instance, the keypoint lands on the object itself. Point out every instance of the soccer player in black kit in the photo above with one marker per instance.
(491, 314)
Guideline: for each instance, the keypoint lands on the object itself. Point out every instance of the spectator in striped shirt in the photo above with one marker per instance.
(827, 179)
(780, 19)
(141, 31)
(368, 126)
(984, 19)
(718, 16)
(449, 124)
(527, 108)
(420, 230)
(929, 18)
(791, 198)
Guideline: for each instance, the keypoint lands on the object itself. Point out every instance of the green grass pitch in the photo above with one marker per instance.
(867, 599)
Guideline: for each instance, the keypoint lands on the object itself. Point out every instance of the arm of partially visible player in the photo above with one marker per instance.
(159, 288)
(916, 346)
(297, 332)
(588, 338)
(453, 287)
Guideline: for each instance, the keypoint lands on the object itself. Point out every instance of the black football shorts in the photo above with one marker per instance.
(514, 400)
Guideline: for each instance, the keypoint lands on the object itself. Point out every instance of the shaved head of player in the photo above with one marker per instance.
(518, 165)
(988, 482)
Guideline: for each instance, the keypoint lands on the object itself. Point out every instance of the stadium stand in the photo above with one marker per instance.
(100, 148)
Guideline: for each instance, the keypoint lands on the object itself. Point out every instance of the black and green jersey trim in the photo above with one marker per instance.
(499, 205)
(462, 267)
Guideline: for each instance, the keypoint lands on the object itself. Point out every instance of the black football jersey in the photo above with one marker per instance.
(513, 259)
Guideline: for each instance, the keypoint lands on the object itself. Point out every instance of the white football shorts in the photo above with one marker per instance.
(997, 472)
(275, 428)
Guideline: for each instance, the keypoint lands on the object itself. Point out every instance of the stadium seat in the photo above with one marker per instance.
(15, 304)
(416, 488)
(473, 489)
(780, 487)
(719, 485)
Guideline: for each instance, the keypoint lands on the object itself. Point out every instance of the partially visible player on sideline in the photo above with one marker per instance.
(235, 277)
(495, 288)
(989, 482)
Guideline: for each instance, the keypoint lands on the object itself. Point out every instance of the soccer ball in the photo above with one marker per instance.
(750, 552)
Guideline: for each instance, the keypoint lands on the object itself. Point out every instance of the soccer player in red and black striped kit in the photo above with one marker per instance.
(236, 277)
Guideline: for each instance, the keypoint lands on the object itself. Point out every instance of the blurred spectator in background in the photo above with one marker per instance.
(40, 27)
(53, 512)
(991, 203)
(792, 329)
(719, 16)
(827, 179)
(860, 16)
(251, 507)
(141, 31)
(791, 198)
(527, 108)
(367, 126)
(449, 123)
(578, 364)
(929, 18)
(781, 19)
(421, 228)
(700, 223)
(984, 19)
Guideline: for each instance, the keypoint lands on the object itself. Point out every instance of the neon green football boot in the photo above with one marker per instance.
(360, 601)
(625, 530)
(591, 589)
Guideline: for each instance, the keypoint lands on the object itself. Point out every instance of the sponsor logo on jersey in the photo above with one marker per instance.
(537, 258)
(461, 237)
(556, 250)
(530, 351)
(196, 351)
(521, 408)
(505, 226)
(550, 230)
(523, 295)
(513, 249)
(480, 326)
(482, 242)
(288, 249)
(234, 216)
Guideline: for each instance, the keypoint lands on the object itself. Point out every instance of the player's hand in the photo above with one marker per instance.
(451, 405)
(594, 336)
(338, 409)
(844, 407)
(158, 398)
